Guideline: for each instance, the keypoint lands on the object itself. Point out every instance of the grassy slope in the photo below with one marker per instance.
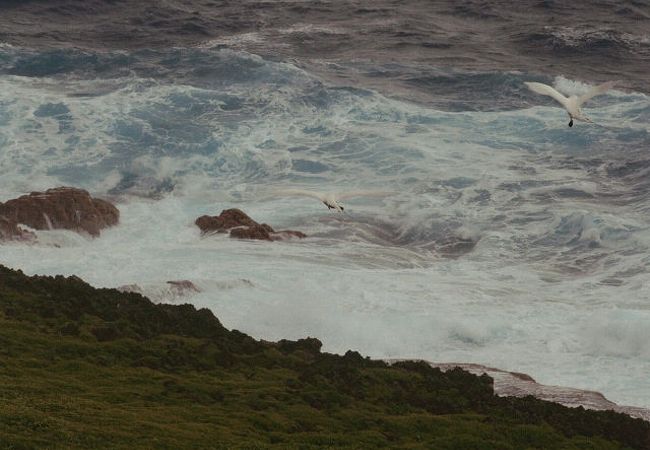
(91, 368)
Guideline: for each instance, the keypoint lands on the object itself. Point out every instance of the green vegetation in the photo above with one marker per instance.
(94, 368)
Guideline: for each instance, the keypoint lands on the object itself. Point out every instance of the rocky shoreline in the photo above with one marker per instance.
(79, 363)
(75, 209)
(515, 384)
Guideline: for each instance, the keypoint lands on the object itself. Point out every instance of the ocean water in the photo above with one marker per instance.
(507, 238)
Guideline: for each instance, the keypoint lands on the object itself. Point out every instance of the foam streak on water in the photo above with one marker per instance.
(510, 239)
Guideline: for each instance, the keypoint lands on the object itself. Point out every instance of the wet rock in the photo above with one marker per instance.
(61, 208)
(241, 226)
(168, 292)
(229, 218)
(183, 286)
(10, 231)
(257, 231)
(287, 234)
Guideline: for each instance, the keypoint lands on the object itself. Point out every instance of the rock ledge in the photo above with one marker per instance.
(60, 208)
(241, 226)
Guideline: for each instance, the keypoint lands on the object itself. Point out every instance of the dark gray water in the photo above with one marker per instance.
(357, 42)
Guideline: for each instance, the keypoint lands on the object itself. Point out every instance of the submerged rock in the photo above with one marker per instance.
(287, 234)
(167, 292)
(183, 286)
(241, 226)
(61, 208)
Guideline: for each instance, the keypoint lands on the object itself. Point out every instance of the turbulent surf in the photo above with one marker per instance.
(508, 239)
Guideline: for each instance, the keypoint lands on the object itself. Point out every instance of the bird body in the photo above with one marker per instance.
(330, 199)
(331, 202)
(573, 103)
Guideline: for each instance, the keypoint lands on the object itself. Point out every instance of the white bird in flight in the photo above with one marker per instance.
(571, 104)
(331, 199)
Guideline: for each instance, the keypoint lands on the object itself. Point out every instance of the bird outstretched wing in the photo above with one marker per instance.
(600, 89)
(299, 192)
(350, 194)
(545, 89)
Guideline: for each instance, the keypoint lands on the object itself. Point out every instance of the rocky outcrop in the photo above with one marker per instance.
(257, 231)
(168, 292)
(229, 218)
(61, 208)
(183, 286)
(241, 226)
(10, 231)
(515, 384)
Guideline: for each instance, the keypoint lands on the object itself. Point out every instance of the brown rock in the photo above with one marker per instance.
(287, 234)
(265, 232)
(241, 226)
(256, 231)
(183, 286)
(63, 207)
(229, 218)
(10, 231)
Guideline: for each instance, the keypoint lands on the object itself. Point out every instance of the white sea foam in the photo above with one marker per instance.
(507, 244)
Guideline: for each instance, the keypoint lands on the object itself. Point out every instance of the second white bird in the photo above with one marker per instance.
(571, 104)
(330, 199)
